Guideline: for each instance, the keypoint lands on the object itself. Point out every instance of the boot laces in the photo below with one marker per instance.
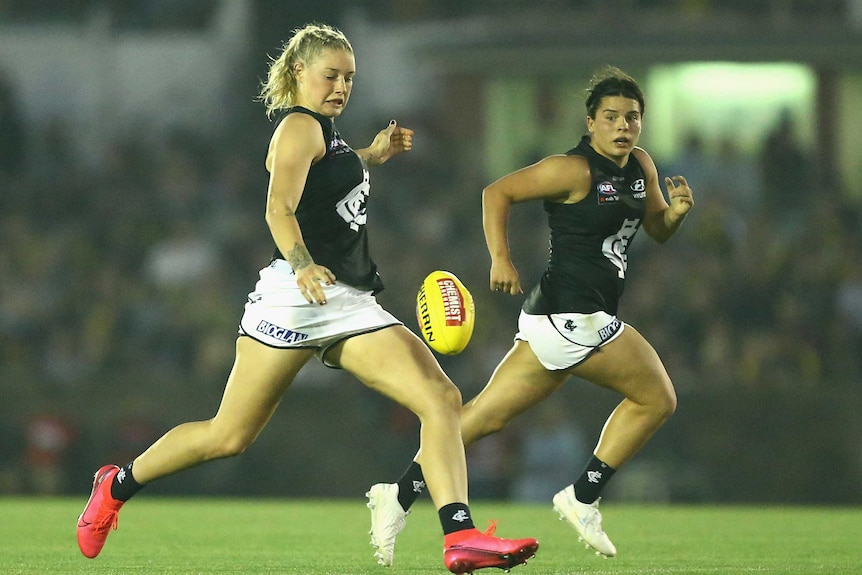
(106, 520)
(492, 527)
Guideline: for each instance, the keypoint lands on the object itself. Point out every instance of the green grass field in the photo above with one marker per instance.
(217, 536)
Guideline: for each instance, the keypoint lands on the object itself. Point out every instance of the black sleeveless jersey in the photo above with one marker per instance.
(587, 261)
(332, 211)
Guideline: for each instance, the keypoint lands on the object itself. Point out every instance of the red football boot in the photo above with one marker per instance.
(468, 550)
(100, 514)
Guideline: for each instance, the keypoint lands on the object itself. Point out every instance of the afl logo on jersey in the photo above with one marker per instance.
(607, 193)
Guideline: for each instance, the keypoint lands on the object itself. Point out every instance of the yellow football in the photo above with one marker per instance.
(446, 313)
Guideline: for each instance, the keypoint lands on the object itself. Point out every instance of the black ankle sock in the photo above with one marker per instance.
(410, 485)
(589, 485)
(124, 484)
(455, 517)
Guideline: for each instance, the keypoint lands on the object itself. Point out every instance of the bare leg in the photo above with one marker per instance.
(395, 362)
(257, 382)
(518, 383)
(630, 366)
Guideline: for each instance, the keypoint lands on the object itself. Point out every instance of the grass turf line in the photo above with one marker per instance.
(186, 536)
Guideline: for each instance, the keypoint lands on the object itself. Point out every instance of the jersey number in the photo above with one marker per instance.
(352, 206)
(614, 247)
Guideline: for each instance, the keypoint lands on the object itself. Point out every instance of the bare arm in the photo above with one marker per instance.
(295, 145)
(662, 220)
(558, 178)
(387, 143)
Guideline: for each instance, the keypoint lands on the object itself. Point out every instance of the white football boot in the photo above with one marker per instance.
(387, 520)
(586, 520)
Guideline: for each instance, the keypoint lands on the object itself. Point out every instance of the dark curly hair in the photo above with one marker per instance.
(611, 81)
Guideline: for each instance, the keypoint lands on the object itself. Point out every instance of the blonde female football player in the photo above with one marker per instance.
(317, 298)
(596, 196)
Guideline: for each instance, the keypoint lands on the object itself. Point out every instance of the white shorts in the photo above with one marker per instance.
(563, 340)
(278, 315)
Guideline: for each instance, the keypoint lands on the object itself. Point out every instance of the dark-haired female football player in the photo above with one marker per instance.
(317, 298)
(596, 196)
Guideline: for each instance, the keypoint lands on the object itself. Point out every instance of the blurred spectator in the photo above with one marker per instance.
(735, 178)
(187, 257)
(49, 440)
(845, 341)
(12, 131)
(788, 172)
(55, 158)
(693, 162)
(849, 292)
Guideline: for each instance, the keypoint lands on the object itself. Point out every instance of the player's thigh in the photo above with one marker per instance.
(519, 382)
(630, 366)
(258, 380)
(396, 363)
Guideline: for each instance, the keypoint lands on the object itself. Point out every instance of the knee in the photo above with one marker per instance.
(446, 399)
(667, 403)
(477, 421)
(452, 397)
(234, 446)
(226, 443)
(449, 397)
(659, 401)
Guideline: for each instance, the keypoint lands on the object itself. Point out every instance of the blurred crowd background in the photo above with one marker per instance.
(131, 230)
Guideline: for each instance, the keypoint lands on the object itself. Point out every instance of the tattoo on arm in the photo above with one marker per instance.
(298, 257)
(367, 156)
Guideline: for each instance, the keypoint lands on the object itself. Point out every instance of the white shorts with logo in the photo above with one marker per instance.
(278, 315)
(563, 340)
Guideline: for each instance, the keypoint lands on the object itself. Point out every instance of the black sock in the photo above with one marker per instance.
(410, 485)
(124, 484)
(589, 485)
(455, 517)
